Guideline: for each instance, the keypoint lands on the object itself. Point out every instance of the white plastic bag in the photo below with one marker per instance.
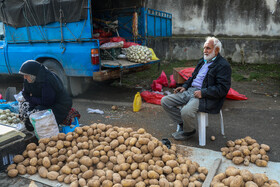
(44, 123)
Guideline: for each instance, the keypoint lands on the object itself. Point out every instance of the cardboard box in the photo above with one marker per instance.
(177, 77)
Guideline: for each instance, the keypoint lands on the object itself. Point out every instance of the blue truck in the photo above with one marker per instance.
(61, 35)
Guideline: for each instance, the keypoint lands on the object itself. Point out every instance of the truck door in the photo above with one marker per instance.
(3, 65)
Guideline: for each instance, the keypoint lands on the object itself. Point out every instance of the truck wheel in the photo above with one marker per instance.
(78, 85)
(54, 67)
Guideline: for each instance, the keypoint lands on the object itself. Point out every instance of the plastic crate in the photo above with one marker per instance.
(13, 147)
(66, 129)
(110, 54)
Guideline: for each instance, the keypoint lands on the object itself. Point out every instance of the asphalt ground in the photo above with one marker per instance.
(258, 117)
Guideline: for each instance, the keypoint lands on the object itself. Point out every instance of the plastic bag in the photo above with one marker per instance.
(156, 86)
(19, 97)
(129, 44)
(162, 79)
(154, 57)
(44, 123)
(232, 94)
(151, 97)
(12, 106)
(172, 82)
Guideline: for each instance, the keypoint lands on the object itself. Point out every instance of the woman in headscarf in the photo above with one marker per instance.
(42, 90)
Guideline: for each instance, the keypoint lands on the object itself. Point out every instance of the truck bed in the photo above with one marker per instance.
(123, 63)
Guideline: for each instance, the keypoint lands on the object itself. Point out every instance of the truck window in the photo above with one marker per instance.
(1, 31)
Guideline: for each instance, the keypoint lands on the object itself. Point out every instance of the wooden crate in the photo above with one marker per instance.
(177, 77)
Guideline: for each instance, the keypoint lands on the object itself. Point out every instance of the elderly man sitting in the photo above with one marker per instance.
(205, 91)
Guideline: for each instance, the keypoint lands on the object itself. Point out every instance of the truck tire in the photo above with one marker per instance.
(78, 85)
(56, 68)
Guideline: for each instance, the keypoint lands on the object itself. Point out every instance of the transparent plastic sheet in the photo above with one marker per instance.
(44, 123)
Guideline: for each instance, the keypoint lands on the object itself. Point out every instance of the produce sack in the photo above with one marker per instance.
(129, 44)
(117, 39)
(232, 94)
(172, 82)
(186, 73)
(156, 86)
(151, 97)
(162, 79)
(44, 123)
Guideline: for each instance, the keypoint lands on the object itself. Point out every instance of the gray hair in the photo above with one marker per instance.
(216, 42)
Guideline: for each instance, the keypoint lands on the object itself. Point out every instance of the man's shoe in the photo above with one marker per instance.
(179, 129)
(183, 135)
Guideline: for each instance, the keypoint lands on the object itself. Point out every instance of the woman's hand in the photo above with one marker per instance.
(179, 89)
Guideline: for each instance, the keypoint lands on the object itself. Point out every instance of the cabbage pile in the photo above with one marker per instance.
(138, 54)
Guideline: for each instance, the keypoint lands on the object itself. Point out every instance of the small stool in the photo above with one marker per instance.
(202, 118)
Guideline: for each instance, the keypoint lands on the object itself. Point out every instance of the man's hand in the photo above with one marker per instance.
(197, 94)
(179, 89)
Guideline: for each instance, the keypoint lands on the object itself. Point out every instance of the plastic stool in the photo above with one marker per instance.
(202, 118)
(67, 129)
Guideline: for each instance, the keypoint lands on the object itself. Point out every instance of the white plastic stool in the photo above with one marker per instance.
(202, 118)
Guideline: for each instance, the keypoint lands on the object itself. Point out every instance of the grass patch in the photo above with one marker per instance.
(240, 72)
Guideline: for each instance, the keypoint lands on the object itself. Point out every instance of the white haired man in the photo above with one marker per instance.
(205, 91)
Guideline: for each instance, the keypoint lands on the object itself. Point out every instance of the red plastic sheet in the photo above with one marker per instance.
(1, 96)
(232, 94)
(151, 97)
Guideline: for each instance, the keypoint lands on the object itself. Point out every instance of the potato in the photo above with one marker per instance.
(232, 171)
(33, 161)
(203, 170)
(237, 160)
(52, 175)
(88, 174)
(128, 182)
(230, 143)
(12, 166)
(65, 170)
(12, 172)
(74, 183)
(259, 179)
(43, 172)
(246, 175)
(171, 163)
(31, 146)
(158, 151)
(85, 160)
(138, 158)
(31, 170)
(44, 140)
(250, 184)
(18, 158)
(261, 163)
(265, 147)
(237, 181)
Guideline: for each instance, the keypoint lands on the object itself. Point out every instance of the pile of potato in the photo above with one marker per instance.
(235, 177)
(246, 150)
(9, 118)
(103, 155)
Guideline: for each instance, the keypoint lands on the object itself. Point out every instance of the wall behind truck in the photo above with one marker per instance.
(249, 30)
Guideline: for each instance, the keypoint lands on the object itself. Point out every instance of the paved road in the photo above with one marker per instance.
(257, 117)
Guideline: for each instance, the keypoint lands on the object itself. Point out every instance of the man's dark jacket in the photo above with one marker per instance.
(215, 86)
(47, 92)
